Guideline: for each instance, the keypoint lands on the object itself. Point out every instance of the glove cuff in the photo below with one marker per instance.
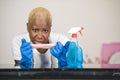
(25, 64)
(62, 63)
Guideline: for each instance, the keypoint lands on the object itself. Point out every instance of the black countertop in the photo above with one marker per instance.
(83, 74)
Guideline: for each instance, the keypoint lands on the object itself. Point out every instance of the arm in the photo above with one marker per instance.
(16, 62)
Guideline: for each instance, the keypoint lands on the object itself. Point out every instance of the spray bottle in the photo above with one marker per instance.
(74, 54)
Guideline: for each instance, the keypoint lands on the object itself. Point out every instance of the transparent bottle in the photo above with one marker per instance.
(74, 54)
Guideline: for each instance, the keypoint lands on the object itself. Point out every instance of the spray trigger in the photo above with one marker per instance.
(74, 30)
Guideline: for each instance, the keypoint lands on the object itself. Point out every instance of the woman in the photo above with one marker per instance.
(39, 31)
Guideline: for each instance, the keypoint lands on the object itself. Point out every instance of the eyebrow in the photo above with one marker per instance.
(46, 27)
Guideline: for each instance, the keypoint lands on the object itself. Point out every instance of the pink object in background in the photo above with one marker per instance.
(107, 51)
(43, 46)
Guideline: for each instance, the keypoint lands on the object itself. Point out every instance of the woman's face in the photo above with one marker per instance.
(39, 31)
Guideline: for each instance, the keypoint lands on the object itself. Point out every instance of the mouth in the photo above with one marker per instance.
(38, 42)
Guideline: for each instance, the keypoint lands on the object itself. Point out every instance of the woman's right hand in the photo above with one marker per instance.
(26, 53)
(26, 49)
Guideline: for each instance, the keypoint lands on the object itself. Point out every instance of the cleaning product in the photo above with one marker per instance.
(74, 54)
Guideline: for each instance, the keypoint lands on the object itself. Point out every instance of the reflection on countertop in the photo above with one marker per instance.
(7, 66)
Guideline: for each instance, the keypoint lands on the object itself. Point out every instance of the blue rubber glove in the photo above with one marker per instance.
(59, 51)
(26, 53)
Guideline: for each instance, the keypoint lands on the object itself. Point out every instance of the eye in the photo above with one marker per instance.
(44, 30)
(35, 30)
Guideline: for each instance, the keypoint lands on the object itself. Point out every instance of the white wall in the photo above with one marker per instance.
(100, 18)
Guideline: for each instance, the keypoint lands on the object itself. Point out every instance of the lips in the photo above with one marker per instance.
(40, 42)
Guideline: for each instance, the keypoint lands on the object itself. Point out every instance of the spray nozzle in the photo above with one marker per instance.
(74, 30)
(81, 31)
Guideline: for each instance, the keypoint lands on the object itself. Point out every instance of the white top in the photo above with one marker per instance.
(45, 60)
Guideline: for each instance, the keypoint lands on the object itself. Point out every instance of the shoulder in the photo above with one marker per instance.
(18, 37)
(56, 35)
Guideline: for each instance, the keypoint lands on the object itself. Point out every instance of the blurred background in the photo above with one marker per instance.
(100, 19)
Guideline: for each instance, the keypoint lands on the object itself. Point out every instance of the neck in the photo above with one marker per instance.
(42, 51)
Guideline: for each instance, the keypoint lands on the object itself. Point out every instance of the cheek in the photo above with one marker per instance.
(32, 35)
(46, 36)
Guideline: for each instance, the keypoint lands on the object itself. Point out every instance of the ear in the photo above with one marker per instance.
(28, 27)
(50, 29)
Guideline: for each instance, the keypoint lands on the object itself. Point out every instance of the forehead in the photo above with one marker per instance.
(40, 21)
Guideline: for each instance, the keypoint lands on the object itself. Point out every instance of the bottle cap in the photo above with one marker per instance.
(74, 35)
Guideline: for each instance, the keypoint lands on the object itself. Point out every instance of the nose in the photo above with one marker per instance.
(40, 34)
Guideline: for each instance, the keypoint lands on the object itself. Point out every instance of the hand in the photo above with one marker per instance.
(26, 53)
(62, 57)
(59, 51)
